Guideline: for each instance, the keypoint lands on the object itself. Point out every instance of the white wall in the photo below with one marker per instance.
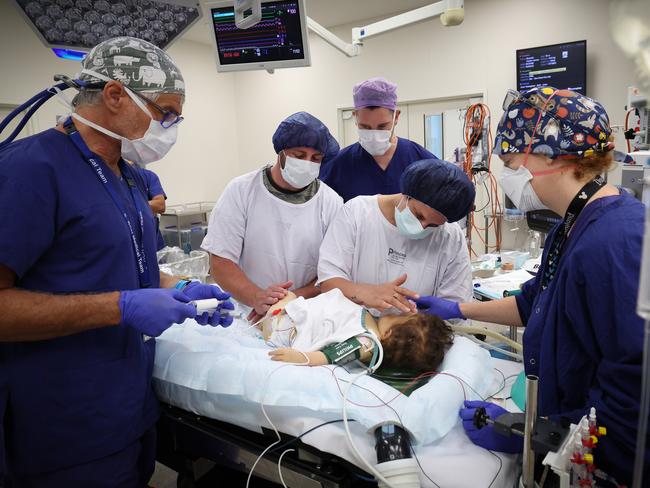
(205, 157)
(428, 61)
(230, 118)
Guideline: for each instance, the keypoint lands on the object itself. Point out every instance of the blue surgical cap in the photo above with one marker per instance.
(441, 185)
(303, 129)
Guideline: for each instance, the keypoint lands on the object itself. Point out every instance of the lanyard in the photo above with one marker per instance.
(100, 168)
(575, 207)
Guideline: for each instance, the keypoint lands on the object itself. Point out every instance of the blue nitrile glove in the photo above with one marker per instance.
(153, 310)
(445, 309)
(198, 291)
(486, 437)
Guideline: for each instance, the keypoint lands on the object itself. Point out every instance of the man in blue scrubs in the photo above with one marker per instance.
(156, 197)
(375, 164)
(79, 282)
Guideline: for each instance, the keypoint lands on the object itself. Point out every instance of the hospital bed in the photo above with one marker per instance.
(224, 400)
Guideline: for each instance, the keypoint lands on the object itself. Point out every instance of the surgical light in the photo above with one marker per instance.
(81, 24)
(69, 54)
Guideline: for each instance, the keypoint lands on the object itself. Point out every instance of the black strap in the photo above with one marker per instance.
(573, 212)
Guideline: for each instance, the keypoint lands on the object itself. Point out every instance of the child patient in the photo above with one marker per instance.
(328, 329)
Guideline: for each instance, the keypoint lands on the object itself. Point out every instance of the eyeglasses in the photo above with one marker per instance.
(169, 116)
(513, 96)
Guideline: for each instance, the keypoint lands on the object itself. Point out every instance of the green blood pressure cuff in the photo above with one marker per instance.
(343, 352)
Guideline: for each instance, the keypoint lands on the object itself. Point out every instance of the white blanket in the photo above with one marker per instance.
(226, 374)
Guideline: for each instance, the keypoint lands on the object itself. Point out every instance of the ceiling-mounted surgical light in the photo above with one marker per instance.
(81, 24)
(69, 54)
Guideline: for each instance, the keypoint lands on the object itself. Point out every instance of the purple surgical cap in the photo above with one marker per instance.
(375, 92)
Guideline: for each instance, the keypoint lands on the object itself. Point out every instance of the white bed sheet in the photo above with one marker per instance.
(451, 462)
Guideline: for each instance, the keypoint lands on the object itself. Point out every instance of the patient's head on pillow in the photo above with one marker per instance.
(415, 341)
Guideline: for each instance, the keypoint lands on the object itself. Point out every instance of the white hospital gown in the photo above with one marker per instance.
(363, 247)
(271, 240)
(311, 324)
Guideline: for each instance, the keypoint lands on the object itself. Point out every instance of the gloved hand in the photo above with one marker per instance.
(153, 310)
(486, 437)
(445, 309)
(198, 291)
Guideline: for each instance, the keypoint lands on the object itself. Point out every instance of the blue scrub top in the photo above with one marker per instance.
(154, 188)
(583, 338)
(78, 398)
(152, 183)
(355, 172)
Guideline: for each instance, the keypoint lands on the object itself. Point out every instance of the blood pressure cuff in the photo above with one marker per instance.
(343, 352)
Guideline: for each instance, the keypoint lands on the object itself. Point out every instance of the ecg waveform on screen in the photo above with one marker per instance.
(278, 35)
(270, 32)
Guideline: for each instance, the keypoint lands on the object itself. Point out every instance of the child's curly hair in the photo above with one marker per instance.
(418, 343)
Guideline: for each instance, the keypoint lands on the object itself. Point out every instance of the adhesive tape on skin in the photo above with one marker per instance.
(208, 305)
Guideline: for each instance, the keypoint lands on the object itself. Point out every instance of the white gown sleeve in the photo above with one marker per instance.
(227, 227)
(337, 250)
(332, 206)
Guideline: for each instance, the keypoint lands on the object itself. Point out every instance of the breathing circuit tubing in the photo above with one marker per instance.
(34, 103)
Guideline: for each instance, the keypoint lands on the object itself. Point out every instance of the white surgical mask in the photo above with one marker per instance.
(516, 185)
(152, 146)
(409, 226)
(377, 142)
(298, 172)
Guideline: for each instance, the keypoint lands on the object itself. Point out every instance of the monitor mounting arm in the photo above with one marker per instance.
(451, 13)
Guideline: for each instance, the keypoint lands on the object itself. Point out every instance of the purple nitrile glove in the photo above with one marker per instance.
(198, 291)
(219, 317)
(153, 310)
(486, 437)
(445, 309)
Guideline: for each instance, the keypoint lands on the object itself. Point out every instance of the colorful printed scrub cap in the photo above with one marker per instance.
(571, 124)
(135, 63)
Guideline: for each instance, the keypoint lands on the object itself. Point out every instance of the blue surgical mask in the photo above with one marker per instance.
(409, 226)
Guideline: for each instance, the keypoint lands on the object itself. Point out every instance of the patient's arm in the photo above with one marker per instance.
(339, 353)
(288, 355)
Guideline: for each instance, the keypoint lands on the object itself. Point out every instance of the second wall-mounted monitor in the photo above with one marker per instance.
(279, 40)
(562, 66)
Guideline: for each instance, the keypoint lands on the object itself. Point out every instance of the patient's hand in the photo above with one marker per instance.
(289, 355)
(387, 295)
